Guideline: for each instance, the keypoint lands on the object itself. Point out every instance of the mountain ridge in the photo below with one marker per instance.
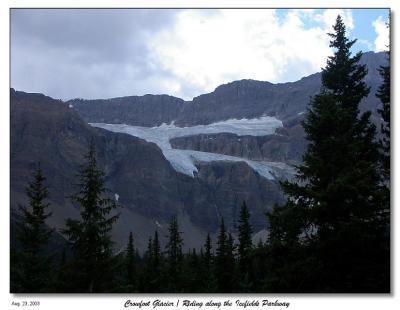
(237, 99)
(151, 191)
(56, 133)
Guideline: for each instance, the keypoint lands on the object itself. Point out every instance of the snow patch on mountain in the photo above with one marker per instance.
(158, 224)
(184, 160)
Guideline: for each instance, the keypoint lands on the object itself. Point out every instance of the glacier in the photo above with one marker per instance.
(184, 160)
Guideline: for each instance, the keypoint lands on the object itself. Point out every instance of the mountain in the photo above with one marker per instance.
(148, 188)
(236, 100)
(148, 110)
(239, 99)
(222, 148)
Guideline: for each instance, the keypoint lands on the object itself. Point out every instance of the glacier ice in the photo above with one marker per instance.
(184, 160)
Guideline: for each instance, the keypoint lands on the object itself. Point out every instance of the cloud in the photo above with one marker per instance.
(203, 53)
(328, 18)
(114, 52)
(85, 53)
(382, 31)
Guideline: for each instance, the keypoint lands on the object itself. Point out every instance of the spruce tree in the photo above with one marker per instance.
(220, 259)
(192, 272)
(89, 237)
(152, 274)
(231, 262)
(209, 284)
(336, 202)
(156, 252)
(130, 264)
(147, 275)
(62, 274)
(174, 256)
(244, 247)
(259, 262)
(224, 265)
(384, 95)
(157, 260)
(208, 255)
(34, 265)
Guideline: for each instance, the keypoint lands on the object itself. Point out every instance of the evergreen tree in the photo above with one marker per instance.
(259, 263)
(220, 258)
(343, 76)
(231, 262)
(245, 248)
(153, 263)
(384, 95)
(208, 255)
(150, 250)
(89, 237)
(62, 273)
(174, 256)
(34, 265)
(338, 202)
(208, 278)
(224, 268)
(192, 272)
(147, 275)
(130, 264)
(156, 264)
(156, 252)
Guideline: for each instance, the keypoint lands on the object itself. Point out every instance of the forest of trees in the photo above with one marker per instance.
(332, 235)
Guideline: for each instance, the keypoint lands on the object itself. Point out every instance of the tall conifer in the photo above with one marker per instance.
(209, 283)
(245, 246)
(335, 209)
(384, 95)
(130, 258)
(224, 261)
(33, 234)
(147, 275)
(89, 236)
(174, 256)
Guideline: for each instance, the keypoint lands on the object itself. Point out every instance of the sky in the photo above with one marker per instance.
(105, 53)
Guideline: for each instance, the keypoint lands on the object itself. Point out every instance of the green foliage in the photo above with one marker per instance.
(332, 234)
(89, 237)
(245, 248)
(130, 257)
(337, 201)
(30, 266)
(225, 261)
(192, 272)
(384, 95)
(343, 76)
(153, 266)
(147, 277)
(208, 258)
(207, 278)
(174, 257)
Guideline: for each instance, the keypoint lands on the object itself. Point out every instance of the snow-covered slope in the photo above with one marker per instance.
(184, 160)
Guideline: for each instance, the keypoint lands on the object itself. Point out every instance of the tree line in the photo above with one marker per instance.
(331, 235)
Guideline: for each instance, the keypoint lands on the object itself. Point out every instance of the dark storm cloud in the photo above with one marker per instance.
(85, 53)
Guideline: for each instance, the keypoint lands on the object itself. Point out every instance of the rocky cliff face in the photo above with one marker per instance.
(148, 110)
(239, 99)
(286, 145)
(149, 189)
(56, 134)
